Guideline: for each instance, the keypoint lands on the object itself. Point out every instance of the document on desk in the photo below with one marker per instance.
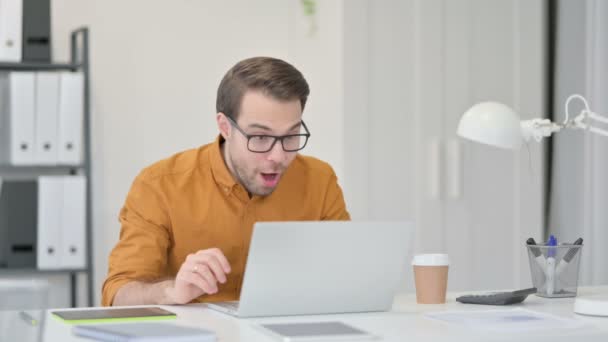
(510, 320)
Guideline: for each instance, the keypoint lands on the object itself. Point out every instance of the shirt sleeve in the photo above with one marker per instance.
(141, 252)
(334, 207)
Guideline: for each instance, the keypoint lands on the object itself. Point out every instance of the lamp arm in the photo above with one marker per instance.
(541, 128)
(586, 113)
(578, 122)
(538, 129)
(598, 117)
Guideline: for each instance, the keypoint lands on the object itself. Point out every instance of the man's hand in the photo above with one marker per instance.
(199, 275)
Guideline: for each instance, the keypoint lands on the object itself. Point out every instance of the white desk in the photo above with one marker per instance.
(406, 322)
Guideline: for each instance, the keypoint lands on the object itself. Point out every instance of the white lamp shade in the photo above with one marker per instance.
(491, 123)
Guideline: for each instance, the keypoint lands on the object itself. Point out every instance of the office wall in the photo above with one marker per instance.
(155, 68)
(579, 186)
(426, 63)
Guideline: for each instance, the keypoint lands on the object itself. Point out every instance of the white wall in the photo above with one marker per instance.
(579, 185)
(424, 63)
(155, 68)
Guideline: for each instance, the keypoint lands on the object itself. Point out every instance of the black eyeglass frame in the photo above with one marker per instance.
(275, 137)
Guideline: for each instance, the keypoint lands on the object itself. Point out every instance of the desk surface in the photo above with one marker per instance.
(405, 321)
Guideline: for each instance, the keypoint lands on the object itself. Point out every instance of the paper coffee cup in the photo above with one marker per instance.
(431, 277)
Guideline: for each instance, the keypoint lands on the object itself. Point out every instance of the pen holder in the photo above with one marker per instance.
(554, 269)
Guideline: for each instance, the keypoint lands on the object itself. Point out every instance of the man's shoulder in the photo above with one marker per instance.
(313, 166)
(181, 163)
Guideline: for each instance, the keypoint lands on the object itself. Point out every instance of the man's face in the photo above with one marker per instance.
(260, 173)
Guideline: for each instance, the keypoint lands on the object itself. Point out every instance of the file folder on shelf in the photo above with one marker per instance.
(36, 31)
(17, 117)
(73, 223)
(50, 203)
(71, 106)
(11, 20)
(61, 222)
(47, 107)
(18, 223)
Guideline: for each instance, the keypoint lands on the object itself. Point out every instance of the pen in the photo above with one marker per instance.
(569, 255)
(28, 318)
(550, 269)
(538, 255)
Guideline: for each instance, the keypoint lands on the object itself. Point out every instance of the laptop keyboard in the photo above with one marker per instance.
(232, 306)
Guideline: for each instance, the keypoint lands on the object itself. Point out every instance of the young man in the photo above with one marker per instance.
(187, 220)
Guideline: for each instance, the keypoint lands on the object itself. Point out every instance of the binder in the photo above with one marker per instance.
(50, 203)
(73, 223)
(71, 105)
(18, 223)
(11, 19)
(47, 107)
(61, 222)
(36, 31)
(17, 114)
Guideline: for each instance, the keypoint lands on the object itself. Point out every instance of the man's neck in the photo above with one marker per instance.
(229, 166)
(225, 157)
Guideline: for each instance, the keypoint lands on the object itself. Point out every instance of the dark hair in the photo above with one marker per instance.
(272, 76)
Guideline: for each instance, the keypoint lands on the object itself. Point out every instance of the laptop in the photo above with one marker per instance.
(314, 267)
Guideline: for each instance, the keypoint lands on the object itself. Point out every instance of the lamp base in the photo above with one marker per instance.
(593, 305)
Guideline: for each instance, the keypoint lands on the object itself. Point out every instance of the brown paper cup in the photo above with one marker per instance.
(431, 278)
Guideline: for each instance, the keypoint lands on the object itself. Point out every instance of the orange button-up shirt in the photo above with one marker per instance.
(190, 202)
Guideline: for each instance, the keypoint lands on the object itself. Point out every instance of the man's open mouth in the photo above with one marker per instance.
(270, 179)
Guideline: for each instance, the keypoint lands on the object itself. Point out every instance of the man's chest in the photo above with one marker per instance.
(226, 221)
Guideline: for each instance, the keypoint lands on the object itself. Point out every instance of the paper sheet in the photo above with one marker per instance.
(510, 320)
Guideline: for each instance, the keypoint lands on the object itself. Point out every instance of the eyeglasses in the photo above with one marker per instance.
(259, 143)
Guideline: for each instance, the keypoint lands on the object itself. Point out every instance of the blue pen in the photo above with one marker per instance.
(550, 270)
(552, 242)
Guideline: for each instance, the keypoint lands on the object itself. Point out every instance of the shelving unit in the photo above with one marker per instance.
(79, 61)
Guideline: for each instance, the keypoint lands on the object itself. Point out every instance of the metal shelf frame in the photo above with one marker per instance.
(79, 61)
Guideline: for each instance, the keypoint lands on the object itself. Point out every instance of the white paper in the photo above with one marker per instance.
(511, 320)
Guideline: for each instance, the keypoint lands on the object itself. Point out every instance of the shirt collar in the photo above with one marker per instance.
(220, 171)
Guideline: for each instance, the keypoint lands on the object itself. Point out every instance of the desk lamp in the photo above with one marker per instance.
(495, 124)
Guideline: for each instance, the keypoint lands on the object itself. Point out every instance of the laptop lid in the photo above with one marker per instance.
(300, 268)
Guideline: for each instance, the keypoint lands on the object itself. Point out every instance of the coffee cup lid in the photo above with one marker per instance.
(431, 260)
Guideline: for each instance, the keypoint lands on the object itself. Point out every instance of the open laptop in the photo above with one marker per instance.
(313, 267)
